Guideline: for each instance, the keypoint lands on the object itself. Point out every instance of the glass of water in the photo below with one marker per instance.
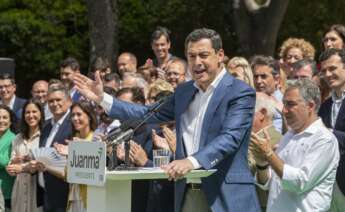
(161, 157)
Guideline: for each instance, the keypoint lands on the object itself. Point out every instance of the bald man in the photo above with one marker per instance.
(39, 91)
(126, 62)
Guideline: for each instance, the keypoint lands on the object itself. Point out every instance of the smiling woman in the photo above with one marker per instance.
(25, 186)
(6, 138)
(84, 122)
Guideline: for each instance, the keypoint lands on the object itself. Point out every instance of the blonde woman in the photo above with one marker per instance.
(240, 68)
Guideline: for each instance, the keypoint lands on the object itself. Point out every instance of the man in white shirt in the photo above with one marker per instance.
(301, 173)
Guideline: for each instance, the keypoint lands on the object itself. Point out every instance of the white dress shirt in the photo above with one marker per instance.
(310, 162)
(337, 101)
(47, 114)
(193, 118)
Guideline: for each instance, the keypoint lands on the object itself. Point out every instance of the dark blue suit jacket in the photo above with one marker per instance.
(223, 145)
(18, 106)
(56, 190)
(339, 132)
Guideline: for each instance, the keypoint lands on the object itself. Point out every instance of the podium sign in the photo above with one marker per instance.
(86, 163)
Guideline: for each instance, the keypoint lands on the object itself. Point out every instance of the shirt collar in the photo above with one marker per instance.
(59, 122)
(335, 98)
(313, 128)
(214, 83)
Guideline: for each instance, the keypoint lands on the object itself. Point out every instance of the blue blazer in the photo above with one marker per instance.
(223, 145)
(18, 106)
(339, 132)
(56, 190)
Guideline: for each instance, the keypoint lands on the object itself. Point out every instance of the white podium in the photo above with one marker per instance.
(115, 195)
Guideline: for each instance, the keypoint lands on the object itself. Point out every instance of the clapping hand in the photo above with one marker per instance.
(261, 147)
(170, 138)
(158, 141)
(137, 154)
(61, 149)
(14, 169)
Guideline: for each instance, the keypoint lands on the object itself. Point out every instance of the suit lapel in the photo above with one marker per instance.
(340, 116)
(62, 132)
(215, 101)
(45, 134)
(327, 115)
(15, 104)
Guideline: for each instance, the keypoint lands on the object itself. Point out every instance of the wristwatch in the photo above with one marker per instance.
(262, 167)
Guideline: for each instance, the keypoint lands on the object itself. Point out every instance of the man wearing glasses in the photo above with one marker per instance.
(8, 94)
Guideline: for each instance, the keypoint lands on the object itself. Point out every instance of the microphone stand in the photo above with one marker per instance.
(128, 134)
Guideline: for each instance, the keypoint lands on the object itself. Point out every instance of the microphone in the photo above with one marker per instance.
(129, 124)
(122, 137)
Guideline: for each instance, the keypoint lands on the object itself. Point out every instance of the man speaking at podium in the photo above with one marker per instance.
(213, 115)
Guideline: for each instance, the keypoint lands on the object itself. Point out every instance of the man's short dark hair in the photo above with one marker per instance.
(70, 62)
(61, 88)
(112, 76)
(330, 52)
(7, 76)
(304, 62)
(160, 31)
(265, 61)
(137, 94)
(205, 33)
(100, 63)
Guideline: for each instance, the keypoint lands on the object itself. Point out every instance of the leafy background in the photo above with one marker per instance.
(40, 33)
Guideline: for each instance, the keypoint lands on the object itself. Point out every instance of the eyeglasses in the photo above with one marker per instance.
(175, 74)
(5, 86)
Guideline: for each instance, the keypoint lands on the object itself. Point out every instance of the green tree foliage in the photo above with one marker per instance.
(40, 33)
(309, 20)
(138, 18)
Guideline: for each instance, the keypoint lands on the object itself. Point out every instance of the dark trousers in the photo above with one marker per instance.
(48, 208)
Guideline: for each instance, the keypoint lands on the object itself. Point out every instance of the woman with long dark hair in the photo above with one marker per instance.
(24, 189)
(84, 123)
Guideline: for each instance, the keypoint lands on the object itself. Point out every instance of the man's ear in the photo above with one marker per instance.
(220, 54)
(311, 105)
(263, 114)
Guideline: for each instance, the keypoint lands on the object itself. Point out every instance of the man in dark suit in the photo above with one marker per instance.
(332, 112)
(213, 115)
(57, 130)
(8, 94)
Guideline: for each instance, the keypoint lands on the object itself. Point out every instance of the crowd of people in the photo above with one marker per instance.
(273, 128)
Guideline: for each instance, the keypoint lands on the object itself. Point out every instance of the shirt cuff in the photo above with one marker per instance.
(106, 102)
(195, 162)
(290, 176)
(267, 184)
